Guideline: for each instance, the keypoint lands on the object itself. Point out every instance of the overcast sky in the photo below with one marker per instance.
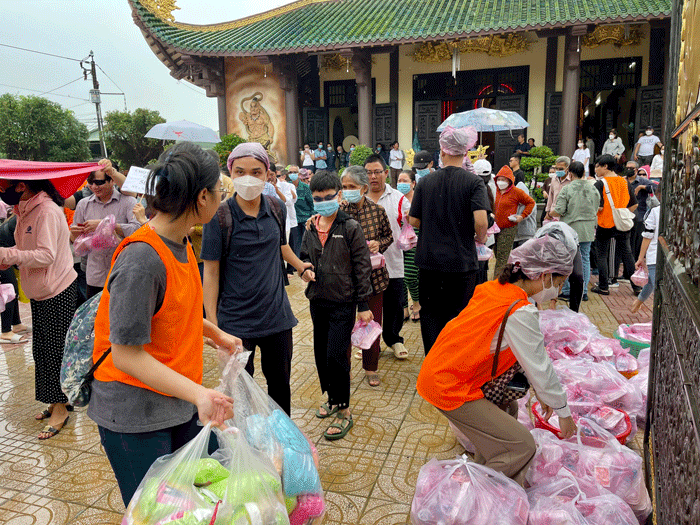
(73, 28)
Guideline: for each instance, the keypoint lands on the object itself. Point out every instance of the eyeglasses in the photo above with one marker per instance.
(376, 172)
(326, 198)
(98, 182)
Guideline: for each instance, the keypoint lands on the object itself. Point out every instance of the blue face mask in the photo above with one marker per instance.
(404, 187)
(293, 176)
(561, 174)
(421, 173)
(326, 208)
(353, 196)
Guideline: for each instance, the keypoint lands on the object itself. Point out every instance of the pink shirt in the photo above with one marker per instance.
(43, 248)
(555, 189)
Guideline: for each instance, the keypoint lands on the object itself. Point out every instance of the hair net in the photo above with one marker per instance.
(457, 141)
(543, 255)
(562, 232)
(249, 149)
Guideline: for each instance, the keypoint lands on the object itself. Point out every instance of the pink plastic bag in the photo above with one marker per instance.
(483, 253)
(378, 260)
(459, 492)
(408, 238)
(103, 238)
(364, 335)
(640, 277)
(493, 230)
(7, 294)
(639, 332)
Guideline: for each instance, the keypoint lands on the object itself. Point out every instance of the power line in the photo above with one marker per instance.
(39, 91)
(40, 52)
(186, 84)
(110, 78)
(64, 85)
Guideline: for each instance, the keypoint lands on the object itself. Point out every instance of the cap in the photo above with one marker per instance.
(482, 167)
(422, 159)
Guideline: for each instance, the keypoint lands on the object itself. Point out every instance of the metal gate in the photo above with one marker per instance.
(672, 436)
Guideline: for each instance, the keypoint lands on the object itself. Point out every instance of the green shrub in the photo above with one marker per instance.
(541, 152)
(550, 161)
(359, 155)
(225, 147)
(528, 164)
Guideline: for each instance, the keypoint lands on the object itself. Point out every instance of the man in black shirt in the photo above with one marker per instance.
(522, 147)
(514, 164)
(451, 208)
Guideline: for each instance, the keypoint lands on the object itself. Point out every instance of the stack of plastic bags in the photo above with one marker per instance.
(459, 492)
(638, 332)
(600, 465)
(268, 429)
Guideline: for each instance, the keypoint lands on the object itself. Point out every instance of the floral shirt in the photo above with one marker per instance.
(375, 225)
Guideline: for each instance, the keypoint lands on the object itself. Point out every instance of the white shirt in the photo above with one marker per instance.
(523, 336)
(583, 155)
(657, 163)
(646, 145)
(389, 200)
(651, 224)
(308, 161)
(289, 192)
(396, 158)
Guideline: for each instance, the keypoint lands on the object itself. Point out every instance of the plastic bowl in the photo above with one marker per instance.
(634, 346)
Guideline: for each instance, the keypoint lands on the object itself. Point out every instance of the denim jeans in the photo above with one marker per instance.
(585, 249)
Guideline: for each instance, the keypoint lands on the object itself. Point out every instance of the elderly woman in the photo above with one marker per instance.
(377, 230)
(470, 352)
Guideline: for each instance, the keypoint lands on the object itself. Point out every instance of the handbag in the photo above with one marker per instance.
(652, 200)
(512, 384)
(622, 217)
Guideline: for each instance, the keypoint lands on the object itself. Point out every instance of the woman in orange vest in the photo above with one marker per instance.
(461, 361)
(147, 395)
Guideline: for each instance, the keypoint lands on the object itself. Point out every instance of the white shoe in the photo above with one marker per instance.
(400, 351)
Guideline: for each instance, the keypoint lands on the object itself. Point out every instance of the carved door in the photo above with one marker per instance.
(650, 108)
(315, 125)
(384, 123)
(506, 140)
(552, 121)
(426, 117)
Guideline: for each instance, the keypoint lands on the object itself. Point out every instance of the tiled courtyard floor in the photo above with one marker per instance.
(369, 477)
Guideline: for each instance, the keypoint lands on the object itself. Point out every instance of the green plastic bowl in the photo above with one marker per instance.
(634, 346)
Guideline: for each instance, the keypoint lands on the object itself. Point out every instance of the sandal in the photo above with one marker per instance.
(14, 340)
(51, 431)
(329, 411)
(46, 414)
(400, 351)
(373, 379)
(342, 423)
(415, 316)
(358, 354)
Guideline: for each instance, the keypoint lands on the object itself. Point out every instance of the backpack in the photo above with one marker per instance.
(225, 218)
(77, 368)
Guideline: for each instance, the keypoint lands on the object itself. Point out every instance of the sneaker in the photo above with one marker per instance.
(614, 284)
(597, 289)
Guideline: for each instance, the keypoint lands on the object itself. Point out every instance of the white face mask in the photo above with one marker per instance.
(502, 185)
(612, 137)
(552, 174)
(547, 293)
(580, 144)
(248, 187)
(649, 132)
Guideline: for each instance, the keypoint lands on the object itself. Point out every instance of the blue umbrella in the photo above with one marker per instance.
(485, 119)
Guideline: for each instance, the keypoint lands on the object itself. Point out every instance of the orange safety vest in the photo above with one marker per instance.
(176, 329)
(620, 196)
(460, 361)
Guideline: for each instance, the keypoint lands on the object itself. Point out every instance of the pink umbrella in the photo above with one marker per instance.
(66, 177)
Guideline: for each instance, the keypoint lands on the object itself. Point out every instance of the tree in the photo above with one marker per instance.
(34, 128)
(225, 147)
(125, 140)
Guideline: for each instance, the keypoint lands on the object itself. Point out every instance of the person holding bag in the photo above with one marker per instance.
(491, 353)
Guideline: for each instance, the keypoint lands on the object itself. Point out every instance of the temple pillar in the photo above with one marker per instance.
(362, 65)
(290, 86)
(221, 106)
(572, 88)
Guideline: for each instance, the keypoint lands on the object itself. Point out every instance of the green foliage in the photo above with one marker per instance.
(528, 164)
(538, 196)
(360, 154)
(340, 171)
(124, 137)
(225, 147)
(34, 128)
(541, 152)
(550, 161)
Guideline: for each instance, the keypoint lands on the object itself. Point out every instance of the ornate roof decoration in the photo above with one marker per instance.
(493, 45)
(617, 35)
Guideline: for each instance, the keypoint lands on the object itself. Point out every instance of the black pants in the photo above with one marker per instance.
(636, 238)
(443, 295)
(576, 283)
(276, 361)
(622, 243)
(10, 317)
(392, 313)
(333, 324)
(131, 455)
(483, 274)
(92, 291)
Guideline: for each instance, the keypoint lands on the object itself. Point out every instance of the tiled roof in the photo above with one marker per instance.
(317, 25)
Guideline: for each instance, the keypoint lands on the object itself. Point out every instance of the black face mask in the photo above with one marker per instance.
(486, 178)
(11, 197)
(630, 172)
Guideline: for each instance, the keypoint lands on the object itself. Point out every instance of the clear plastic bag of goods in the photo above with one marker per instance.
(365, 334)
(640, 277)
(408, 238)
(460, 492)
(493, 230)
(268, 429)
(104, 237)
(638, 332)
(554, 502)
(176, 491)
(483, 253)
(627, 365)
(7, 294)
(606, 509)
(572, 331)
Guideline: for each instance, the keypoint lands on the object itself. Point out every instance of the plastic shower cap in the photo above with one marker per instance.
(543, 255)
(562, 232)
(457, 141)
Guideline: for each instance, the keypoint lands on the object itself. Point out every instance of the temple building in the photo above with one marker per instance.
(375, 71)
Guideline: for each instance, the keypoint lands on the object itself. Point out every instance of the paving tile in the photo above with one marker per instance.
(94, 516)
(346, 471)
(343, 509)
(28, 509)
(380, 512)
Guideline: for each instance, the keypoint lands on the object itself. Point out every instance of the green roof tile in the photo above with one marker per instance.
(348, 23)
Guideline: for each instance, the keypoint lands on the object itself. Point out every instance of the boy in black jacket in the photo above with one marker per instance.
(336, 246)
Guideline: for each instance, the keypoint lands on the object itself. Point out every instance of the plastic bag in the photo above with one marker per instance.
(407, 238)
(365, 334)
(640, 277)
(168, 494)
(378, 261)
(459, 492)
(83, 244)
(570, 330)
(639, 332)
(269, 430)
(7, 294)
(462, 439)
(483, 253)
(493, 230)
(553, 503)
(103, 238)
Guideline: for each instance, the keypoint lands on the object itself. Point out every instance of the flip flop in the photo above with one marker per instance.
(415, 316)
(344, 429)
(358, 354)
(14, 340)
(46, 414)
(373, 379)
(51, 431)
(329, 411)
(24, 331)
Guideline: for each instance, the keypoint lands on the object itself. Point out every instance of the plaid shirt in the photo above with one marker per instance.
(375, 225)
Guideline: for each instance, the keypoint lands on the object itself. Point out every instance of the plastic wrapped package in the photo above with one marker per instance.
(377, 260)
(639, 332)
(269, 430)
(553, 503)
(627, 365)
(606, 509)
(483, 253)
(615, 421)
(460, 492)
(640, 277)
(365, 334)
(572, 330)
(407, 238)
(493, 230)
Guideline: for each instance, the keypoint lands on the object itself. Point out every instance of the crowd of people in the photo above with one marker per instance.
(208, 254)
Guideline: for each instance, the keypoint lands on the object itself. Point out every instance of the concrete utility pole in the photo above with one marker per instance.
(95, 99)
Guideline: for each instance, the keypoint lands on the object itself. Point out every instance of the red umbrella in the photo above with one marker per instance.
(66, 177)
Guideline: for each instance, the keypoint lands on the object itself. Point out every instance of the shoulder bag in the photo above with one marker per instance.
(622, 217)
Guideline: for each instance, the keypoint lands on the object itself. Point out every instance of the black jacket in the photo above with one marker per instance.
(343, 267)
